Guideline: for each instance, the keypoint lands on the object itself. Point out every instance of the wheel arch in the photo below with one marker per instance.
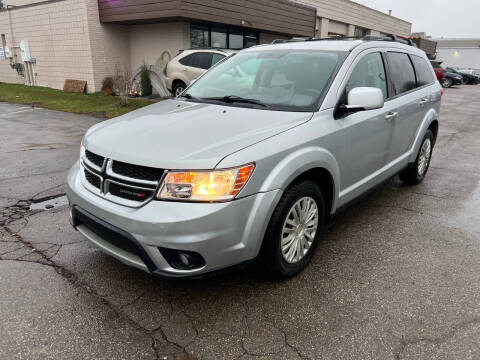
(430, 122)
(316, 164)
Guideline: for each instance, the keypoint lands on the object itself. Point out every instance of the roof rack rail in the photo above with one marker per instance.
(208, 48)
(293, 39)
(388, 37)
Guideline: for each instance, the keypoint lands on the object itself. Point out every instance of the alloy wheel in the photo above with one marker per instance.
(424, 157)
(179, 90)
(299, 230)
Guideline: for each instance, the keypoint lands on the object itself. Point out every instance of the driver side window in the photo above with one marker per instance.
(369, 72)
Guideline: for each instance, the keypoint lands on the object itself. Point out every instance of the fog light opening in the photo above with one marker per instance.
(182, 259)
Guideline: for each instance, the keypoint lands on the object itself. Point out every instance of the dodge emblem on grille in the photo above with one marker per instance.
(128, 192)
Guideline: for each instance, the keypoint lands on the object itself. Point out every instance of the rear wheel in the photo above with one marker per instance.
(446, 82)
(294, 230)
(415, 173)
(178, 88)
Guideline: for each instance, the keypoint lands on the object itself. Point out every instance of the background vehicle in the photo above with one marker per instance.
(188, 65)
(254, 158)
(439, 71)
(467, 78)
(451, 79)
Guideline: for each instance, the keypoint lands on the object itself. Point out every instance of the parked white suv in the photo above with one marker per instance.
(254, 158)
(190, 64)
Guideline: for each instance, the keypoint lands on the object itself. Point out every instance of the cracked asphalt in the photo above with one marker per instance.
(397, 276)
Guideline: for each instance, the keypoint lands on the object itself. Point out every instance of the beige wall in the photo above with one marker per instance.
(349, 12)
(149, 41)
(109, 45)
(57, 39)
(67, 40)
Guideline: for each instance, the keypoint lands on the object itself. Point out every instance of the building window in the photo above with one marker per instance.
(202, 36)
(235, 39)
(199, 36)
(360, 32)
(219, 38)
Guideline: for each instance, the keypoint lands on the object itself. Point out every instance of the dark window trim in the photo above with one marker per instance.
(228, 28)
(415, 68)
(396, 96)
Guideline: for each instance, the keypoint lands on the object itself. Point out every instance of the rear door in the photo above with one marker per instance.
(409, 103)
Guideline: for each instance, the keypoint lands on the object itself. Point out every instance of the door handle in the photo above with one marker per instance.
(424, 101)
(391, 116)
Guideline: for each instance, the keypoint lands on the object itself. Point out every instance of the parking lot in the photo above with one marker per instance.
(397, 276)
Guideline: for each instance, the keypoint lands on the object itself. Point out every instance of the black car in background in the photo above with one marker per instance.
(467, 78)
(451, 79)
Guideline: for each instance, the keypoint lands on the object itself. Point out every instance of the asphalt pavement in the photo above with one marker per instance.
(397, 276)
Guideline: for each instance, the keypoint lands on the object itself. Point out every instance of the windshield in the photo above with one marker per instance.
(288, 80)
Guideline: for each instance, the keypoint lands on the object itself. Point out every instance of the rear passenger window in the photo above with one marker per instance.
(201, 60)
(185, 60)
(369, 72)
(423, 70)
(401, 72)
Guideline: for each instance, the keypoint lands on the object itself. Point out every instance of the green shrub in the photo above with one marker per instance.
(145, 83)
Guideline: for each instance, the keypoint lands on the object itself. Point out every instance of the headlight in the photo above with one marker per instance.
(217, 185)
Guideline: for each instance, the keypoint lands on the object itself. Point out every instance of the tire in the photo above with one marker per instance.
(416, 172)
(446, 83)
(178, 88)
(465, 81)
(278, 265)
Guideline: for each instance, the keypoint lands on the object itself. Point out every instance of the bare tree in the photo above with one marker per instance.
(122, 83)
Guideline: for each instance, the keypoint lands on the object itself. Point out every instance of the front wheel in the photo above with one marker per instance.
(446, 83)
(294, 230)
(416, 172)
(178, 88)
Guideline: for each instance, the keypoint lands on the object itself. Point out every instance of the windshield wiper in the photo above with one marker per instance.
(236, 99)
(187, 96)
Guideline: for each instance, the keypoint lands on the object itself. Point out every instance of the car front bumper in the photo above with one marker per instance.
(224, 234)
(457, 81)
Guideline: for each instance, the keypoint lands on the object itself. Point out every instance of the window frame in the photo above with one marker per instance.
(342, 93)
(416, 73)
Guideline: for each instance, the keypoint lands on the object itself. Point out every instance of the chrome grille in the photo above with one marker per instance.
(122, 183)
(94, 180)
(94, 158)
(137, 171)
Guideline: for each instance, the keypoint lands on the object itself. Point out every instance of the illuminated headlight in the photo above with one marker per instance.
(217, 185)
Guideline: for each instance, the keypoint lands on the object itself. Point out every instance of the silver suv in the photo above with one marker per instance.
(254, 158)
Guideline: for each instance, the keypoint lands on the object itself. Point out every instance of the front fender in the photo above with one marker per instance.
(430, 117)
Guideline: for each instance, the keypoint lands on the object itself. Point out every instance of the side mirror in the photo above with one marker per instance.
(364, 98)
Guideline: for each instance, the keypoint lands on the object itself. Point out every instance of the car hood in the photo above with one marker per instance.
(454, 75)
(176, 134)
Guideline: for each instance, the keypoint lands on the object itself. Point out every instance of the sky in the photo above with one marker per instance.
(438, 18)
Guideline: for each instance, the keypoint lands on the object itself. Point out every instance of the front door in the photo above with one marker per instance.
(368, 133)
